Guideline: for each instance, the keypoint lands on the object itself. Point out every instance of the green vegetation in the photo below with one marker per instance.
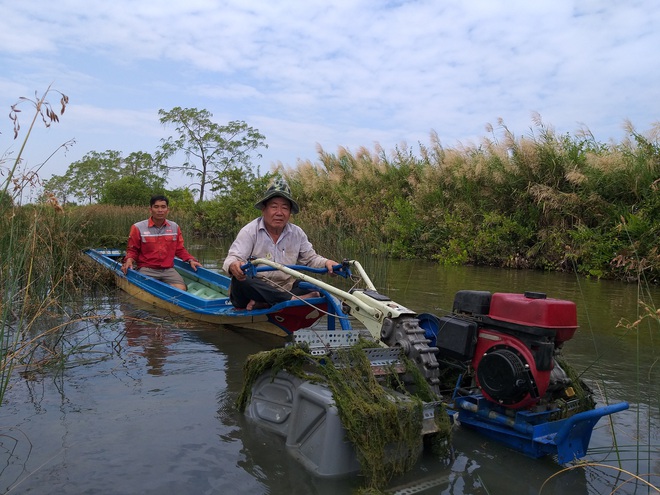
(384, 428)
(213, 156)
(35, 257)
(543, 201)
(94, 178)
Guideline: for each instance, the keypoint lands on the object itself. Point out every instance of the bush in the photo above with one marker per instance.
(127, 191)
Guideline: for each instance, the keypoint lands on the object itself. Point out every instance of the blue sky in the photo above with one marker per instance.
(347, 73)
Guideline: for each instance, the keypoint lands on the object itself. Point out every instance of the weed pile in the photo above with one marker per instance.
(384, 426)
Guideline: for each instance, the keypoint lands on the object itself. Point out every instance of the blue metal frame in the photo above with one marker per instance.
(532, 433)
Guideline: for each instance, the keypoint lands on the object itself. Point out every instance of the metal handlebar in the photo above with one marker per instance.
(342, 269)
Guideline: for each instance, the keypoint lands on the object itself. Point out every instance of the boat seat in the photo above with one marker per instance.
(203, 291)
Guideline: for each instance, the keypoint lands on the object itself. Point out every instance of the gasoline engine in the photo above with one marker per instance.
(507, 346)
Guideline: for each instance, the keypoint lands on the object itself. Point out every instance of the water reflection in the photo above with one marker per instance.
(150, 339)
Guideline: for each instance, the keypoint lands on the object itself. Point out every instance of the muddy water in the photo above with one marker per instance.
(151, 410)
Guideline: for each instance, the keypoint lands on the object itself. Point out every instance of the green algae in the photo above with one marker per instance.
(381, 416)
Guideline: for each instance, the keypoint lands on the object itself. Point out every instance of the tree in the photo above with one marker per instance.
(144, 166)
(211, 151)
(87, 178)
(181, 199)
(127, 191)
(226, 213)
(60, 186)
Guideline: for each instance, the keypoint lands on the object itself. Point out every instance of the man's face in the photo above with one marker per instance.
(276, 213)
(159, 210)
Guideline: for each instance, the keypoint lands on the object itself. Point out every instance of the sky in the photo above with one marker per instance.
(309, 74)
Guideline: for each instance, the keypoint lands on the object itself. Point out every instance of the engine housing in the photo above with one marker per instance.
(508, 341)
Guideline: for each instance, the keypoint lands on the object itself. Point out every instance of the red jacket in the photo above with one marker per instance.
(156, 247)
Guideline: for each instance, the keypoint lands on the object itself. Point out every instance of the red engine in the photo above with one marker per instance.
(508, 342)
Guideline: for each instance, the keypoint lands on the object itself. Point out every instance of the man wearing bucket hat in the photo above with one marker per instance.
(271, 236)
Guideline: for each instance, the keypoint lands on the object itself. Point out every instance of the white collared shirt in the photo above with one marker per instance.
(292, 248)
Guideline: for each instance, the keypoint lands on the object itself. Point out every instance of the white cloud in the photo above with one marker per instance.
(350, 73)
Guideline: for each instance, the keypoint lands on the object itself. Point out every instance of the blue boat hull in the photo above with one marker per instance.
(207, 298)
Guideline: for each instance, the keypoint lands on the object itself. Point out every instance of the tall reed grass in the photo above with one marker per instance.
(108, 226)
(543, 201)
(20, 272)
(41, 263)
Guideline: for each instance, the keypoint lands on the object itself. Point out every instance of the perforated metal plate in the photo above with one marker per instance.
(320, 342)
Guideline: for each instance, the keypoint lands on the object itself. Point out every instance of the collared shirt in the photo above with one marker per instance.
(292, 248)
(155, 247)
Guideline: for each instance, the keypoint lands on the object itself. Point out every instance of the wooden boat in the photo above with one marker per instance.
(207, 298)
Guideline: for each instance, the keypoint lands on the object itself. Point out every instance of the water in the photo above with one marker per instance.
(152, 411)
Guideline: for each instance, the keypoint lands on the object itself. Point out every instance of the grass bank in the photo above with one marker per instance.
(541, 201)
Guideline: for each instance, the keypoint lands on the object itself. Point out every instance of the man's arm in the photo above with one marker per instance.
(132, 250)
(183, 253)
(309, 257)
(239, 251)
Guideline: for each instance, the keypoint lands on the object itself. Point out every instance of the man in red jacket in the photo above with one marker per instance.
(153, 244)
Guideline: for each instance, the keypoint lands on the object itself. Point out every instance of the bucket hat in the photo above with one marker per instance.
(278, 187)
